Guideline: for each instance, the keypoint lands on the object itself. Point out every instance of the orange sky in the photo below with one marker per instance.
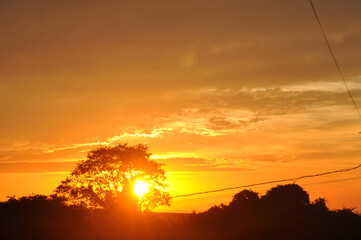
(224, 93)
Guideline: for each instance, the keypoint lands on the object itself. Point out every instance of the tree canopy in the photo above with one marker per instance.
(102, 180)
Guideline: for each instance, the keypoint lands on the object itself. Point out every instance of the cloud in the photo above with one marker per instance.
(222, 123)
(216, 123)
(200, 164)
(213, 113)
(33, 167)
(273, 158)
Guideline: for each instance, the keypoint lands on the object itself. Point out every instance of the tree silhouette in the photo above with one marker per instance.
(285, 195)
(102, 180)
(245, 197)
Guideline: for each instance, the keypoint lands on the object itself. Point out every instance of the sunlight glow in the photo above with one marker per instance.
(140, 188)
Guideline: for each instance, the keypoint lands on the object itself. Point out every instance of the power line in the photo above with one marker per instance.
(191, 200)
(204, 198)
(334, 58)
(270, 182)
(335, 181)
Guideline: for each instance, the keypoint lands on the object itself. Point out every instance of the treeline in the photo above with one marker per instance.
(43, 217)
(284, 212)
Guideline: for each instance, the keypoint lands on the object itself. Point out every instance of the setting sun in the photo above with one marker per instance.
(140, 188)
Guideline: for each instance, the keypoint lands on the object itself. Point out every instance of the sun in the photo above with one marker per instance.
(140, 188)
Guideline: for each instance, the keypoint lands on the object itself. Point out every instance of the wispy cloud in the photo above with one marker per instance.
(200, 164)
(32, 167)
(219, 114)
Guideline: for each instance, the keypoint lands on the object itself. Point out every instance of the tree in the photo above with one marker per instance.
(287, 195)
(244, 197)
(102, 180)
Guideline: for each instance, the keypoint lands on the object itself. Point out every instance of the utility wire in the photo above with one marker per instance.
(334, 181)
(185, 201)
(334, 58)
(270, 182)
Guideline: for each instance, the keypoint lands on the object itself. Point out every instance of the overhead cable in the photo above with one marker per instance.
(270, 182)
(334, 58)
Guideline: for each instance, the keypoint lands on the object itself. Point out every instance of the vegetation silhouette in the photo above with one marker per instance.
(42, 217)
(97, 201)
(283, 212)
(98, 182)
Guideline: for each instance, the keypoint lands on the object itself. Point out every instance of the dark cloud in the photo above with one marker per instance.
(222, 123)
(219, 123)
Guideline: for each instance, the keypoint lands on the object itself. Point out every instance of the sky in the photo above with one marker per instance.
(224, 93)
